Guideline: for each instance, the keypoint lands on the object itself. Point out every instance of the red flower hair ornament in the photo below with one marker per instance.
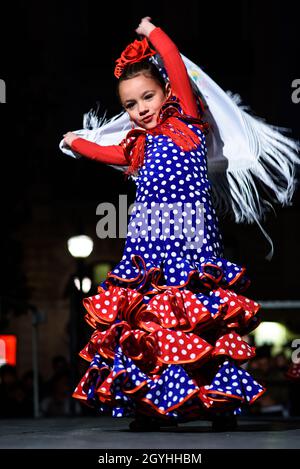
(134, 52)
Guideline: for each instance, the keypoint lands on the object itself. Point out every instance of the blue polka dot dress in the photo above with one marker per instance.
(169, 318)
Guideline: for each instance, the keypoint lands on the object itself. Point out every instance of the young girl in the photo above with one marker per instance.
(168, 319)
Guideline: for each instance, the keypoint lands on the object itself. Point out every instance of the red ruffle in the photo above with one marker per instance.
(233, 346)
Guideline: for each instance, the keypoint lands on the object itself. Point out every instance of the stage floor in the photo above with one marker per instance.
(109, 433)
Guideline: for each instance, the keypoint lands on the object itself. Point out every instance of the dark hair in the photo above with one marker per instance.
(144, 67)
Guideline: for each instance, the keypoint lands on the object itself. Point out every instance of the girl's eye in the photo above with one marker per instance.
(130, 105)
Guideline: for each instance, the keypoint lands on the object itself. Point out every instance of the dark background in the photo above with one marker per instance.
(57, 59)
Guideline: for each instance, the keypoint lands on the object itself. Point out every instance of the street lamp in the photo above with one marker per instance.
(80, 247)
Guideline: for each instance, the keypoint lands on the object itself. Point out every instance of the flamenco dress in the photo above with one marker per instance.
(169, 319)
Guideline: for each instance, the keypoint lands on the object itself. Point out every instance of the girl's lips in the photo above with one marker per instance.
(147, 119)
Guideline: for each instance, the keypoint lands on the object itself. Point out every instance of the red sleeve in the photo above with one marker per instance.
(109, 154)
(176, 70)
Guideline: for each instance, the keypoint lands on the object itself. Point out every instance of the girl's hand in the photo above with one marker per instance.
(145, 27)
(69, 137)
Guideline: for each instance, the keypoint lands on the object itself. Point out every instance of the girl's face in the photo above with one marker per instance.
(142, 97)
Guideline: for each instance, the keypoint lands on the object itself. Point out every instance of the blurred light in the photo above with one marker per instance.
(80, 246)
(272, 333)
(77, 283)
(86, 284)
(100, 271)
(8, 349)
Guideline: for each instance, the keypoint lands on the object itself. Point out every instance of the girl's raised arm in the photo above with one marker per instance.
(175, 67)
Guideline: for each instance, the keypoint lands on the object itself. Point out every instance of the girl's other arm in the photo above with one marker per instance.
(109, 154)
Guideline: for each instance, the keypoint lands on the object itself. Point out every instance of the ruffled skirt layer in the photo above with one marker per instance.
(170, 350)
